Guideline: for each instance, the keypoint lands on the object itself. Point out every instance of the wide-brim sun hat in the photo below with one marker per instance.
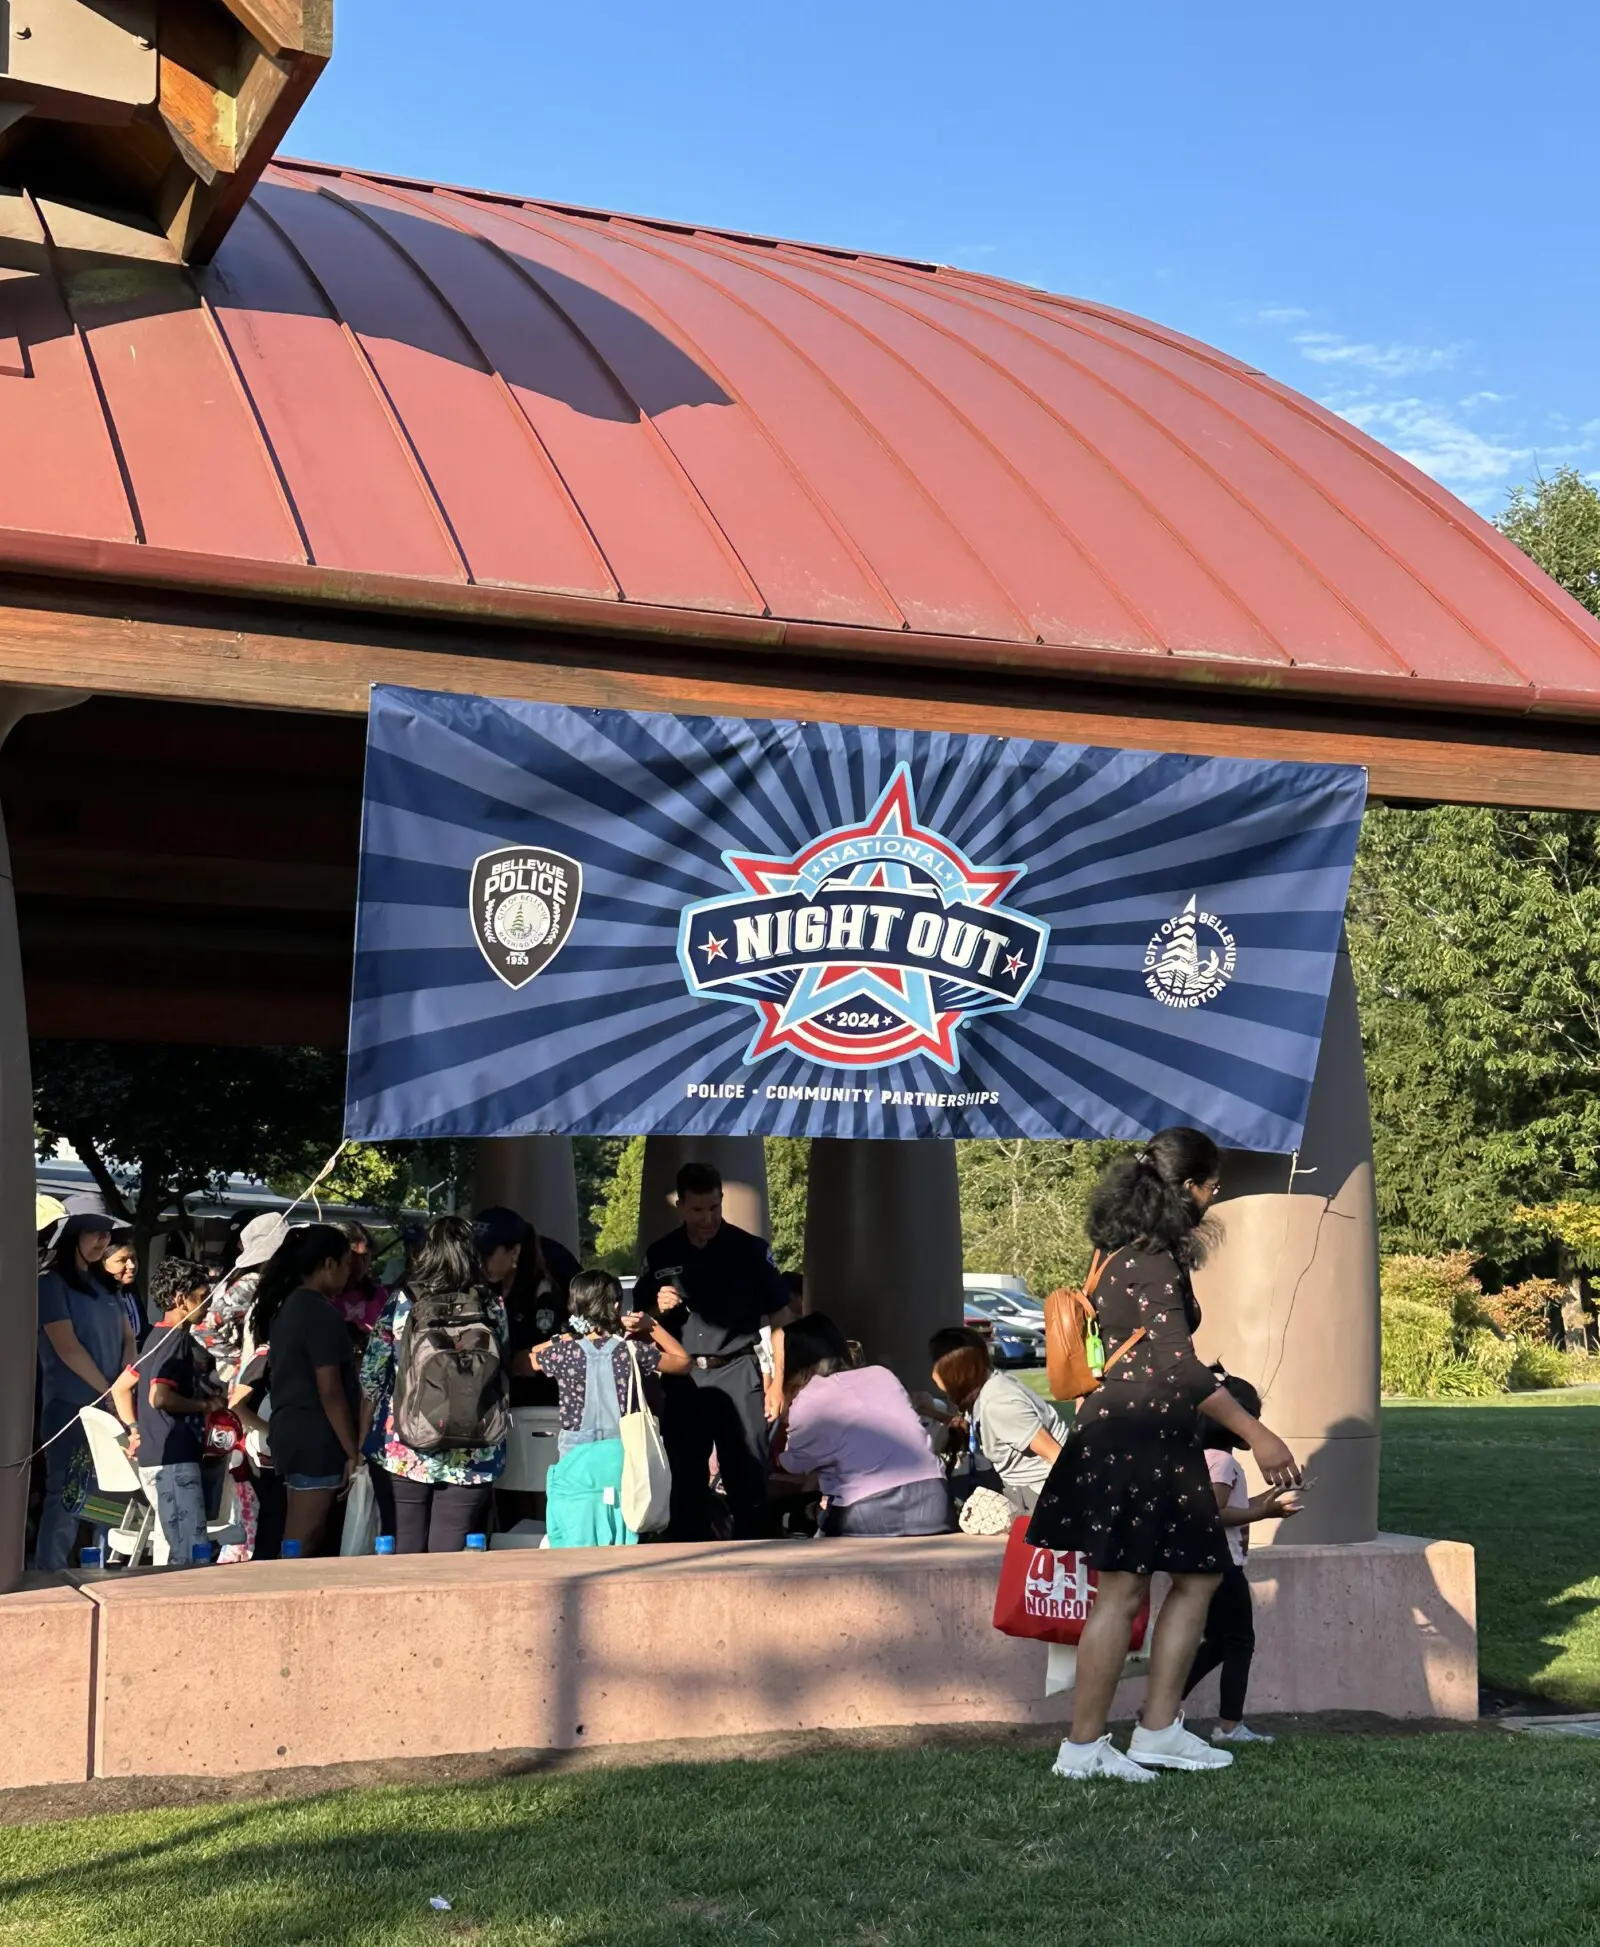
(259, 1239)
(86, 1216)
(47, 1212)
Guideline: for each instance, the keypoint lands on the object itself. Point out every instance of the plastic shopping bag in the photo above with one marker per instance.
(360, 1516)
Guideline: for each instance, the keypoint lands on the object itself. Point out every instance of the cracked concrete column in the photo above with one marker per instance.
(1291, 1296)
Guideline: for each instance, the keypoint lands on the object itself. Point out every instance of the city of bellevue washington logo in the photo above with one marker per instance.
(870, 945)
(1190, 959)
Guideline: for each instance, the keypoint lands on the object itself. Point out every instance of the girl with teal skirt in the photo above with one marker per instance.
(593, 1367)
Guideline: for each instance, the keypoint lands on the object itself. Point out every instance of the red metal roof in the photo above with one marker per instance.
(441, 400)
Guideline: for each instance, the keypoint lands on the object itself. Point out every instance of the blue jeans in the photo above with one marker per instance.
(58, 1529)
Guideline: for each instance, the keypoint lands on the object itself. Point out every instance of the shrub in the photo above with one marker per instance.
(1417, 1344)
(1522, 1311)
(1444, 1284)
(1438, 1339)
(1538, 1365)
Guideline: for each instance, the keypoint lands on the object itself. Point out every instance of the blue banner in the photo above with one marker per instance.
(607, 922)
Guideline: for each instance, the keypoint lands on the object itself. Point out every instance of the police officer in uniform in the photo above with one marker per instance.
(714, 1285)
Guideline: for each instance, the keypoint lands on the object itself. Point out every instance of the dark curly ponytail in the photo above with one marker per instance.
(1144, 1198)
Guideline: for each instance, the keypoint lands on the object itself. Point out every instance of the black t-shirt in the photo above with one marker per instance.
(730, 1286)
(170, 1353)
(535, 1316)
(308, 1333)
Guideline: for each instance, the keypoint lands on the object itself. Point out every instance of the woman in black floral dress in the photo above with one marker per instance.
(1131, 1491)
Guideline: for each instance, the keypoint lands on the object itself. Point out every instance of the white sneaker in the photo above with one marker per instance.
(1240, 1734)
(1176, 1749)
(1101, 1759)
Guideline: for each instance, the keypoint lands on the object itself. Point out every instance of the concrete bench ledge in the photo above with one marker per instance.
(323, 1662)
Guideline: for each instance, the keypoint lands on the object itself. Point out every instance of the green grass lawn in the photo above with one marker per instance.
(1518, 1478)
(1376, 1842)
(1483, 1837)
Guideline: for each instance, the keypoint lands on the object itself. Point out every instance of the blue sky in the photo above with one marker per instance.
(1391, 207)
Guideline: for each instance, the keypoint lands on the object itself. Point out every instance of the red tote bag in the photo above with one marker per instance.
(1047, 1595)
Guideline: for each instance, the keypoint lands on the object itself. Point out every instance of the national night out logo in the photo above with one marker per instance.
(869, 946)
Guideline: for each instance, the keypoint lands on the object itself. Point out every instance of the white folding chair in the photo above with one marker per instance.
(119, 1499)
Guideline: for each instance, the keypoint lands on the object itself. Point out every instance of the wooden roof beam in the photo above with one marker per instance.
(164, 112)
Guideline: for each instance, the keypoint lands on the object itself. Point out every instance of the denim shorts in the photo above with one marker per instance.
(313, 1483)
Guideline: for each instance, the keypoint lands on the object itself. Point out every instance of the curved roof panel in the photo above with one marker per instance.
(393, 393)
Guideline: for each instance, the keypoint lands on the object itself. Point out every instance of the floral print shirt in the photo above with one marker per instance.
(450, 1466)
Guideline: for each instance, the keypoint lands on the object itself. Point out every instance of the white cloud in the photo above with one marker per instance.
(1387, 361)
(1431, 439)
(1485, 399)
(1282, 314)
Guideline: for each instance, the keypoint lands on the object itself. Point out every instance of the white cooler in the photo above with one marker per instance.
(531, 1448)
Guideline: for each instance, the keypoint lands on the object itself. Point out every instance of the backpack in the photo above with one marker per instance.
(450, 1387)
(1069, 1320)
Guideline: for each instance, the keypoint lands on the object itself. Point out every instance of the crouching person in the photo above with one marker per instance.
(166, 1398)
(592, 1366)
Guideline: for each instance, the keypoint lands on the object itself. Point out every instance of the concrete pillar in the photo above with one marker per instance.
(532, 1175)
(19, 1247)
(742, 1161)
(1291, 1294)
(883, 1246)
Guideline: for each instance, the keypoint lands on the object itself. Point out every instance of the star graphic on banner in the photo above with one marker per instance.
(1014, 965)
(714, 949)
(917, 1024)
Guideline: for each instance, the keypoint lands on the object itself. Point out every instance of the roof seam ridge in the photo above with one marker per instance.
(658, 440)
(807, 490)
(982, 439)
(1248, 507)
(92, 366)
(508, 397)
(867, 426)
(380, 392)
(269, 452)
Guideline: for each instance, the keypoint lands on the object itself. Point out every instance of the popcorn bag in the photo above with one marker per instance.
(1046, 1595)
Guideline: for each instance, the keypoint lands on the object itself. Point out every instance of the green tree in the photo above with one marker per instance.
(157, 1125)
(1023, 1207)
(1475, 936)
(788, 1161)
(615, 1215)
(1557, 522)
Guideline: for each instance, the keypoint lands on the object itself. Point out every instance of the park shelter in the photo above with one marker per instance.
(353, 428)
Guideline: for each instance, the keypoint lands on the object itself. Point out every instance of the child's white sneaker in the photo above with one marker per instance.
(1101, 1759)
(1176, 1749)
(1241, 1734)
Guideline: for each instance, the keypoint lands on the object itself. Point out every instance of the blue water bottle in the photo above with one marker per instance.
(290, 1551)
(477, 1544)
(91, 1558)
(384, 1545)
(200, 1555)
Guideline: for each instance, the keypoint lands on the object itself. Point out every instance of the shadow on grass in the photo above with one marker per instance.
(1518, 1480)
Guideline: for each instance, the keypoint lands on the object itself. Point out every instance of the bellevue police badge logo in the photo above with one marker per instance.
(870, 945)
(524, 905)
